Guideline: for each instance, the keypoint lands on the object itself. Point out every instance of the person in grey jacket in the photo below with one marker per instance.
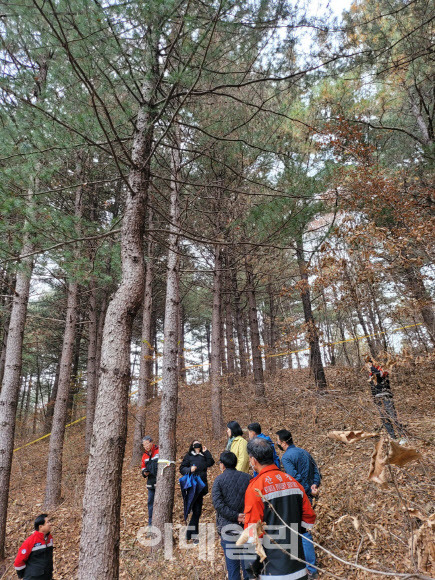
(228, 495)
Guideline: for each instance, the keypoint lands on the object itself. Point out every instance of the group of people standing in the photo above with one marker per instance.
(271, 495)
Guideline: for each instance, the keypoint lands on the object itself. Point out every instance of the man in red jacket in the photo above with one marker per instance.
(274, 497)
(35, 557)
(149, 471)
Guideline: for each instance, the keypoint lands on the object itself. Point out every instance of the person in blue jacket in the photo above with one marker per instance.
(298, 463)
(254, 430)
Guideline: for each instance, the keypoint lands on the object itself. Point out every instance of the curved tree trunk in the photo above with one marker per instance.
(99, 546)
(12, 370)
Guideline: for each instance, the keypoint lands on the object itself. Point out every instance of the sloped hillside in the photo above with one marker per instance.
(358, 521)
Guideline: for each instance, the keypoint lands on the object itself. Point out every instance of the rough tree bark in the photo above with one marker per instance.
(146, 361)
(181, 361)
(53, 486)
(91, 367)
(7, 290)
(99, 547)
(312, 332)
(164, 500)
(50, 405)
(257, 360)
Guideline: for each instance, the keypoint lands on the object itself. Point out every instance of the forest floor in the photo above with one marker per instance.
(357, 520)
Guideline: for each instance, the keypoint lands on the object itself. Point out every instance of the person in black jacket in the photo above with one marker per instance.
(197, 460)
(228, 495)
(149, 471)
(35, 556)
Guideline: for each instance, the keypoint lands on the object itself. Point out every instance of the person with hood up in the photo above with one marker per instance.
(254, 430)
(197, 460)
(237, 445)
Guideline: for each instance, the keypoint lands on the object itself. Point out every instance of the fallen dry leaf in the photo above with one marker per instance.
(378, 463)
(350, 436)
(253, 531)
(398, 455)
(423, 544)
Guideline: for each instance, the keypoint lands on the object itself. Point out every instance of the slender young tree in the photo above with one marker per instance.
(257, 359)
(54, 468)
(164, 499)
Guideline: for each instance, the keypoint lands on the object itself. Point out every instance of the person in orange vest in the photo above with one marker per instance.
(274, 497)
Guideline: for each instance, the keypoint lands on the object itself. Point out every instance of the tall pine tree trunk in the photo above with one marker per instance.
(239, 325)
(257, 360)
(229, 332)
(12, 369)
(272, 329)
(312, 332)
(164, 499)
(146, 362)
(181, 360)
(216, 347)
(91, 367)
(53, 486)
(99, 546)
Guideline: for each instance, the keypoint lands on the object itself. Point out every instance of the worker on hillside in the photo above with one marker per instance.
(35, 557)
(383, 398)
(149, 471)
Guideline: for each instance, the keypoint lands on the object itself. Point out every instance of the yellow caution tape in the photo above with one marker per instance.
(48, 434)
(266, 356)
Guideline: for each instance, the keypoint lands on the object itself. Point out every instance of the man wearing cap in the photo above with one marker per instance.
(149, 471)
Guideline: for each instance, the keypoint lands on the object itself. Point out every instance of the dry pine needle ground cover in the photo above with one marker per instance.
(357, 520)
